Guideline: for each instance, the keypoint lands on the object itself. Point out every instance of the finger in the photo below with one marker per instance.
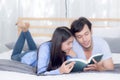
(92, 65)
(71, 67)
(90, 69)
(70, 64)
(65, 62)
(86, 69)
(94, 61)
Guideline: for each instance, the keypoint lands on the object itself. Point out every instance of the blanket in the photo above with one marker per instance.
(15, 66)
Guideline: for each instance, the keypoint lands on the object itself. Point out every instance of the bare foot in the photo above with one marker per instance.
(23, 25)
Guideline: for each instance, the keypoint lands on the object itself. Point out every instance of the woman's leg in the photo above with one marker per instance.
(18, 47)
(30, 41)
(25, 34)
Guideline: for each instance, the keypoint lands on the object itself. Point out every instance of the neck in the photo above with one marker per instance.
(88, 52)
(88, 49)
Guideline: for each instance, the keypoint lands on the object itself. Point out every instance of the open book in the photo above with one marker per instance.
(80, 64)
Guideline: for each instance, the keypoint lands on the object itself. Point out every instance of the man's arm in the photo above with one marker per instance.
(107, 64)
(101, 66)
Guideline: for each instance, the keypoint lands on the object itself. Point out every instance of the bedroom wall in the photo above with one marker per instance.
(8, 16)
(10, 10)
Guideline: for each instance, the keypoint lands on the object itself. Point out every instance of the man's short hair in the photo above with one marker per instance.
(78, 25)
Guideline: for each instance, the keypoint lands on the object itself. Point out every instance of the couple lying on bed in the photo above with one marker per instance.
(51, 56)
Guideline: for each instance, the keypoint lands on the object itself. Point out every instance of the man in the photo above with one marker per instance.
(85, 45)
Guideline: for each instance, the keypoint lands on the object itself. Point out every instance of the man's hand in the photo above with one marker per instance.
(93, 67)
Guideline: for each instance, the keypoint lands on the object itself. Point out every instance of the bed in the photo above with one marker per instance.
(38, 32)
(19, 75)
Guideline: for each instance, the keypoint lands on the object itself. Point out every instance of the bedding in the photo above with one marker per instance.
(114, 44)
(19, 71)
(74, 76)
(15, 66)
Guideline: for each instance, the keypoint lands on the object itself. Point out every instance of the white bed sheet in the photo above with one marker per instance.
(6, 75)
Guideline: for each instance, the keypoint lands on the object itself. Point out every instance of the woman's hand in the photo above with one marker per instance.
(66, 68)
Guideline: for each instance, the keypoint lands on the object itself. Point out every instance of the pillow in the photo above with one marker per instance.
(114, 44)
(10, 45)
(37, 40)
(3, 48)
(6, 55)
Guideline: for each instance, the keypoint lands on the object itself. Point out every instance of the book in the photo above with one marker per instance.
(80, 64)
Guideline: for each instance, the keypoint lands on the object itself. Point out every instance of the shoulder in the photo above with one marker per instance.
(44, 49)
(101, 46)
(99, 41)
(45, 45)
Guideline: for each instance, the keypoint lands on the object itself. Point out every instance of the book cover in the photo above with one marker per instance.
(80, 64)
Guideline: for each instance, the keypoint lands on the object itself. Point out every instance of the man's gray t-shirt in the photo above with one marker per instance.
(100, 46)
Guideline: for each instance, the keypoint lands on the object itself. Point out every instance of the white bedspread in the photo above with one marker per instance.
(6, 75)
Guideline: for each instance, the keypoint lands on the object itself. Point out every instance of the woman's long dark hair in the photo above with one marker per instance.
(57, 56)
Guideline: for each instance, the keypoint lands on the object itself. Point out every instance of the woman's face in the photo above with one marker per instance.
(67, 45)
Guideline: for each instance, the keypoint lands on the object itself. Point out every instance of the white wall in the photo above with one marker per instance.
(8, 17)
(10, 10)
(94, 8)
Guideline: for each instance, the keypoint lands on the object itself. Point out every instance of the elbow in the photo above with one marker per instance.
(110, 67)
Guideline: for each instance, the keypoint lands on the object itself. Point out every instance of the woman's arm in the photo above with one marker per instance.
(43, 60)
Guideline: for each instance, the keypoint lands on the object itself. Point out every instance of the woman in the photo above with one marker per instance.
(52, 55)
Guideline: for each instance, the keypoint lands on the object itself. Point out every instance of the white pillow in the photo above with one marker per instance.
(6, 55)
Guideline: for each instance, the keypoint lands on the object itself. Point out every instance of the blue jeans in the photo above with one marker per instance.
(17, 51)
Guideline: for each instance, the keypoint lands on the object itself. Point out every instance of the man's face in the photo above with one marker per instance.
(84, 37)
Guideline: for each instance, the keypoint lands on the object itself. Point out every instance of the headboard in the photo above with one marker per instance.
(107, 28)
(46, 26)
